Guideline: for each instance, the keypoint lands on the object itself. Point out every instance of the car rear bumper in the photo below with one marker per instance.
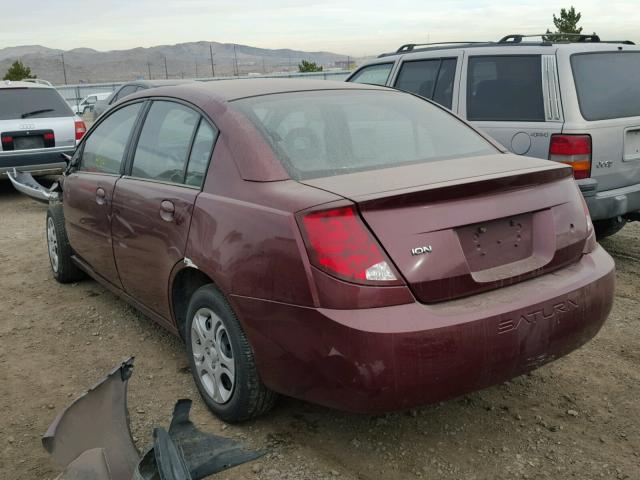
(34, 161)
(392, 358)
(609, 203)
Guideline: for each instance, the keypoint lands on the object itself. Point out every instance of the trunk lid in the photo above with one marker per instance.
(459, 227)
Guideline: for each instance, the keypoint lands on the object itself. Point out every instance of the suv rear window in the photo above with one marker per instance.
(326, 133)
(608, 84)
(17, 103)
(505, 88)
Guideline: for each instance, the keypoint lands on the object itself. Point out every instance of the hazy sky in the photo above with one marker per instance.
(352, 27)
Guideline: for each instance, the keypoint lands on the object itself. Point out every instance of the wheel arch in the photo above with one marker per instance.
(185, 281)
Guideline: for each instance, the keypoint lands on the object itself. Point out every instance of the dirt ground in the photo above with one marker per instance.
(576, 418)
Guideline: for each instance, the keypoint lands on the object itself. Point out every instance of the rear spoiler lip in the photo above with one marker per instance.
(464, 188)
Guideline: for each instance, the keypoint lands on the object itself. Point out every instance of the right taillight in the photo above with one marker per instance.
(574, 150)
(339, 243)
(81, 129)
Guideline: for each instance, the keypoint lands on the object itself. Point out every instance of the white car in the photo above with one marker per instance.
(87, 104)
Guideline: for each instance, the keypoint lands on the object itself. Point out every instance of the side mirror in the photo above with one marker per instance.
(67, 158)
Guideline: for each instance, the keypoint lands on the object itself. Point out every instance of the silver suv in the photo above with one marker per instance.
(36, 127)
(574, 102)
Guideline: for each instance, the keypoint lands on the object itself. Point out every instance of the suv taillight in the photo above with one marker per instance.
(339, 243)
(574, 150)
(81, 129)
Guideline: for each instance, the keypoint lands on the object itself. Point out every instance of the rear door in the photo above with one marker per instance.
(431, 76)
(153, 204)
(88, 191)
(514, 98)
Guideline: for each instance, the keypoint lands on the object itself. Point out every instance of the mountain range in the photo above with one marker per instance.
(187, 60)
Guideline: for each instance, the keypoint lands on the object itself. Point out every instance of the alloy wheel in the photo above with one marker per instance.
(213, 355)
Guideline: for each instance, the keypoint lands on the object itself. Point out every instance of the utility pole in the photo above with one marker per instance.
(235, 61)
(149, 69)
(64, 69)
(196, 68)
(263, 69)
(182, 74)
(213, 72)
(166, 72)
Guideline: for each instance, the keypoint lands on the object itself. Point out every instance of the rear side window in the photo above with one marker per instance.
(165, 139)
(326, 133)
(200, 154)
(373, 74)
(432, 79)
(608, 84)
(17, 103)
(103, 150)
(505, 88)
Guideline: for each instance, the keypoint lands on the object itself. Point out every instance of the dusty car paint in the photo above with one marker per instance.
(428, 336)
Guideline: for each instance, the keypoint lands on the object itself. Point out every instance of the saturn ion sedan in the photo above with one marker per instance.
(348, 245)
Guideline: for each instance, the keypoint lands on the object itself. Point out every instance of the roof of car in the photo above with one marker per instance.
(12, 84)
(250, 87)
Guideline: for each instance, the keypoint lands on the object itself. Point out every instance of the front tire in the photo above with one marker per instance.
(221, 359)
(60, 251)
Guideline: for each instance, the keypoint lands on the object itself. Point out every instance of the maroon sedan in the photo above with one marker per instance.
(345, 244)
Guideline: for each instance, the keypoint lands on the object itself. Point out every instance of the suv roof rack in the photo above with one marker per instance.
(513, 39)
(410, 46)
(547, 38)
(39, 81)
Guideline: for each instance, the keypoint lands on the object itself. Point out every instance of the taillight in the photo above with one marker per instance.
(7, 142)
(48, 136)
(574, 150)
(81, 129)
(339, 243)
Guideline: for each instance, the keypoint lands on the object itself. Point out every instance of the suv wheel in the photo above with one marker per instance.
(221, 359)
(64, 270)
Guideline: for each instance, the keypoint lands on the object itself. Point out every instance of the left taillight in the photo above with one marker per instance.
(574, 150)
(340, 244)
(81, 129)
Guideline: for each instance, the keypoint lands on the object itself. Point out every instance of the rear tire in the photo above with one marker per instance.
(60, 252)
(222, 361)
(606, 228)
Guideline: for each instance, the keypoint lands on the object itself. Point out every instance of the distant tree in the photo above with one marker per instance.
(18, 71)
(567, 22)
(306, 66)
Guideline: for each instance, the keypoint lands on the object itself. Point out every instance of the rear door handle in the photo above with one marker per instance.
(167, 209)
(101, 196)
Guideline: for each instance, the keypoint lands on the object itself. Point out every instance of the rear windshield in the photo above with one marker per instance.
(326, 133)
(608, 84)
(17, 103)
